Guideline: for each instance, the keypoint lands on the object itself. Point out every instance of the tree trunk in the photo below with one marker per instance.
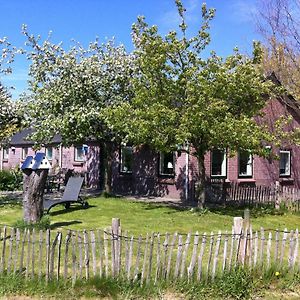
(106, 166)
(33, 191)
(200, 188)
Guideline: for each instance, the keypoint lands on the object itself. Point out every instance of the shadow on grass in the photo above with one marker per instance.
(69, 210)
(62, 224)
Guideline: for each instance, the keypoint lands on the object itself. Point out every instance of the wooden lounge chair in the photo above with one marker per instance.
(70, 195)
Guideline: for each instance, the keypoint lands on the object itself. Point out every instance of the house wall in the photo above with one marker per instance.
(145, 181)
(63, 158)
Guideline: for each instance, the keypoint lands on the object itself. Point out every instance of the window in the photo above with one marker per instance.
(24, 153)
(126, 159)
(49, 153)
(5, 153)
(218, 163)
(79, 153)
(166, 163)
(245, 164)
(284, 163)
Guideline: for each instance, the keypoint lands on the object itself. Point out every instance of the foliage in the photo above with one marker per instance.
(181, 98)
(278, 24)
(42, 224)
(10, 180)
(69, 88)
(9, 119)
(237, 284)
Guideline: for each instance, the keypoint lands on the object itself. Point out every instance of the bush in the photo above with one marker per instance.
(10, 180)
(43, 224)
(237, 284)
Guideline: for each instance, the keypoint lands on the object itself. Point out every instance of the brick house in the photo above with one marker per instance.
(142, 171)
(80, 158)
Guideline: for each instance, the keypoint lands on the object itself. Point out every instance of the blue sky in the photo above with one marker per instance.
(83, 20)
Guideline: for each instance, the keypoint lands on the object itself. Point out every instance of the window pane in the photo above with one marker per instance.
(166, 163)
(218, 163)
(79, 154)
(5, 153)
(24, 153)
(49, 153)
(126, 159)
(284, 163)
(245, 163)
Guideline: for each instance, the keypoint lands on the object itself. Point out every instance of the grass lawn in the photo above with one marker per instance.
(140, 217)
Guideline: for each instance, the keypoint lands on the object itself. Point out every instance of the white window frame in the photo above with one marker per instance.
(249, 172)
(161, 165)
(76, 157)
(223, 166)
(5, 153)
(24, 152)
(289, 163)
(123, 168)
(47, 153)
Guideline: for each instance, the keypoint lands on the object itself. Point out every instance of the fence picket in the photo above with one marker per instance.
(295, 256)
(269, 245)
(170, 254)
(231, 248)
(194, 256)
(105, 242)
(86, 254)
(32, 253)
(200, 257)
(100, 253)
(291, 249)
(276, 246)
(284, 237)
(130, 257)
(59, 241)
(52, 253)
(184, 255)
(74, 258)
(144, 269)
(66, 257)
(2, 269)
(215, 262)
(136, 274)
(28, 254)
(80, 259)
(224, 263)
(211, 244)
(47, 253)
(10, 257)
(93, 244)
(18, 236)
(165, 256)
(158, 260)
(178, 257)
(150, 257)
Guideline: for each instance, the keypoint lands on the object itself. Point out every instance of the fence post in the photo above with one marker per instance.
(115, 224)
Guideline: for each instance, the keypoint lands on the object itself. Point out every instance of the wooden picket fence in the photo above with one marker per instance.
(236, 194)
(112, 252)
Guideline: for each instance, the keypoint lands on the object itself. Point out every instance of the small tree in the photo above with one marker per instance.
(9, 120)
(181, 97)
(69, 89)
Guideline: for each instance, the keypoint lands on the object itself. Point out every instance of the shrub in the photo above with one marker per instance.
(43, 224)
(10, 180)
(237, 284)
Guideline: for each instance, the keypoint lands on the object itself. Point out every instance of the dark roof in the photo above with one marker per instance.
(21, 138)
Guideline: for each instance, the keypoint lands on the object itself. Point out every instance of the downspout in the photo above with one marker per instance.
(187, 171)
(60, 156)
(1, 159)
